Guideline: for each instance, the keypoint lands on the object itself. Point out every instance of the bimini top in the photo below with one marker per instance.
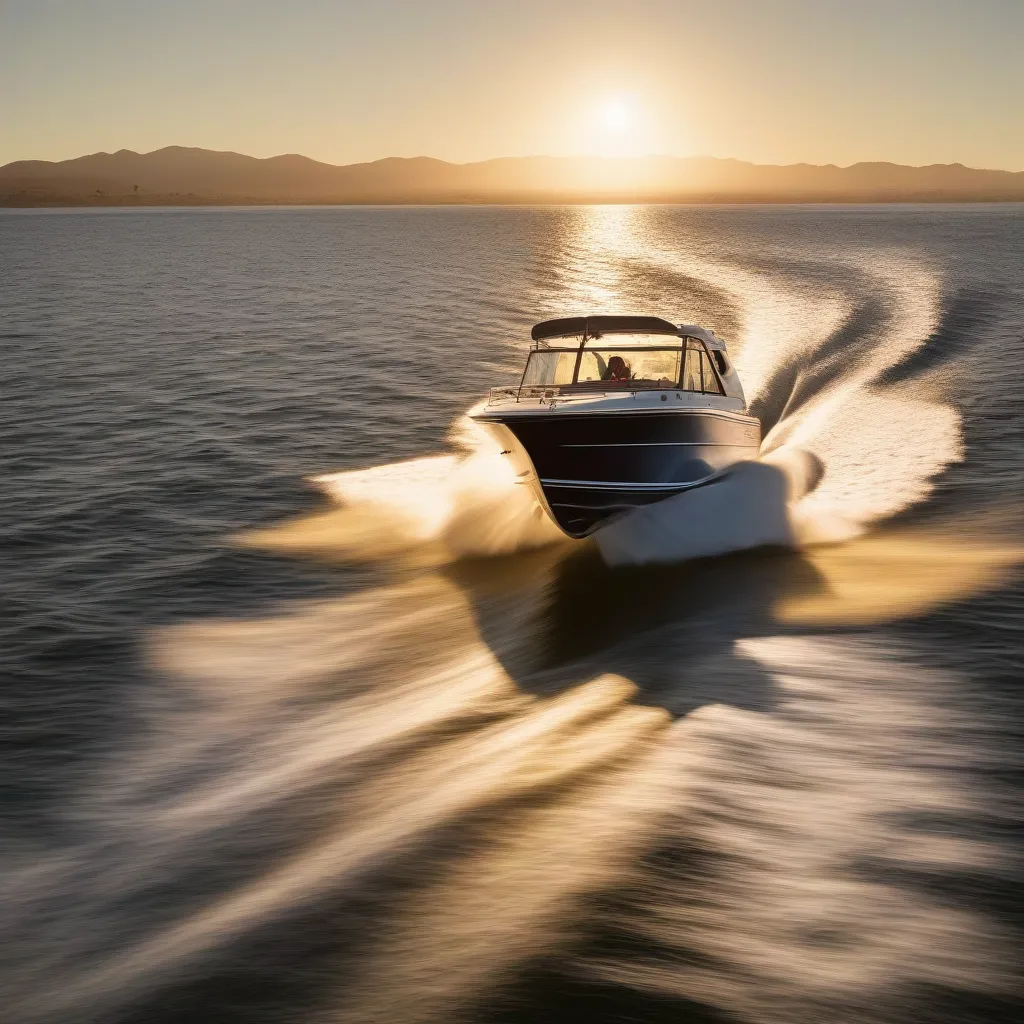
(595, 326)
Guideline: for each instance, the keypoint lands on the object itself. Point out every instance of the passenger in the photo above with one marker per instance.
(618, 369)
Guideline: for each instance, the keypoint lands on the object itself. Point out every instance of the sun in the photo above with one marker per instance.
(617, 127)
(616, 115)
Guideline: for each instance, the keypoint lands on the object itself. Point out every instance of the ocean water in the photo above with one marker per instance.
(308, 714)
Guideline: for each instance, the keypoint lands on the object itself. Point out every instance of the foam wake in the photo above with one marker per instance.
(430, 510)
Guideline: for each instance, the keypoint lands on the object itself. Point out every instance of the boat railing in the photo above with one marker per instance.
(506, 394)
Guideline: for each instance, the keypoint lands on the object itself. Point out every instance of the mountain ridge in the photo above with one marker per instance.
(176, 173)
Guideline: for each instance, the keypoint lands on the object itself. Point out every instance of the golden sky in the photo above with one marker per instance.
(773, 81)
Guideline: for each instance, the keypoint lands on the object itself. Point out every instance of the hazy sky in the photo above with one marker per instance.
(774, 81)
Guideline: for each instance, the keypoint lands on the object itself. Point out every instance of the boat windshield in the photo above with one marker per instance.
(657, 368)
(698, 372)
(550, 368)
(625, 366)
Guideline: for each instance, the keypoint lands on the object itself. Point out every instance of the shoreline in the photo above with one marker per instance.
(71, 200)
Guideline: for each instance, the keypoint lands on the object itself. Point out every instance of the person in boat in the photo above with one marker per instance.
(618, 370)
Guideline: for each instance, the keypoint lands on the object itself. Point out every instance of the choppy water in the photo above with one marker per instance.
(385, 749)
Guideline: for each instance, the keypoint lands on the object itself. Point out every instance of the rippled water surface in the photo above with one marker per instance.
(308, 714)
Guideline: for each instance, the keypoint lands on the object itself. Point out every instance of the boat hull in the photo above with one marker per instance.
(589, 467)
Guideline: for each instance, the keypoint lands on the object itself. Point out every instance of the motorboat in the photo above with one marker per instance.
(614, 412)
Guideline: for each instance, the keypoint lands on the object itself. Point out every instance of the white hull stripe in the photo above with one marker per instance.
(661, 444)
(623, 485)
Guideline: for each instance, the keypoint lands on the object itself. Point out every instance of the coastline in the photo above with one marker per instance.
(36, 200)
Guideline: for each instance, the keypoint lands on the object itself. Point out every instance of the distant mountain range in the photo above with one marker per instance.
(179, 175)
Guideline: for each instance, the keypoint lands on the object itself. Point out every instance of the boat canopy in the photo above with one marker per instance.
(595, 326)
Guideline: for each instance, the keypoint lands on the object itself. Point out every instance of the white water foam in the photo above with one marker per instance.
(747, 508)
(468, 504)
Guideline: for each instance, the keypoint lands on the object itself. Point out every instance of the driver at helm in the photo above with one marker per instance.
(618, 369)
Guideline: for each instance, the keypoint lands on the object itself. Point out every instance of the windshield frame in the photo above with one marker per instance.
(606, 344)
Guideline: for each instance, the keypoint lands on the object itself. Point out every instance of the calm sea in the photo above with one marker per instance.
(307, 715)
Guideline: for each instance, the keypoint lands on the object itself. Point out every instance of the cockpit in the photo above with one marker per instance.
(624, 361)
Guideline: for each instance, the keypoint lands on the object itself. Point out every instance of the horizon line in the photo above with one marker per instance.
(530, 156)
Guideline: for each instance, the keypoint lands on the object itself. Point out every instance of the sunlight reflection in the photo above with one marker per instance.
(592, 265)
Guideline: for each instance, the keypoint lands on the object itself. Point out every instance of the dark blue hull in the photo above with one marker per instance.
(593, 466)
